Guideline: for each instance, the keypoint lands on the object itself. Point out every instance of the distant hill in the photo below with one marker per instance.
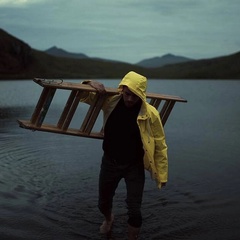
(19, 61)
(162, 61)
(58, 52)
(226, 67)
(147, 63)
(14, 54)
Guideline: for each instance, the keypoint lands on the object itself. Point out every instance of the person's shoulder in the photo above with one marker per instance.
(151, 108)
(152, 112)
(112, 100)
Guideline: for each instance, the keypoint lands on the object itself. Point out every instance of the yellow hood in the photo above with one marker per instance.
(136, 84)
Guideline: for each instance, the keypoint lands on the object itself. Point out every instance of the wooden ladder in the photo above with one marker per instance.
(76, 90)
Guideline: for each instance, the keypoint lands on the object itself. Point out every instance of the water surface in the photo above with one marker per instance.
(48, 182)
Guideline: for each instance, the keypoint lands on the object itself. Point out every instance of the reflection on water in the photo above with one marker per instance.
(48, 182)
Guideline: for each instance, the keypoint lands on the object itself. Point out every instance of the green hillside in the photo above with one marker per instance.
(19, 61)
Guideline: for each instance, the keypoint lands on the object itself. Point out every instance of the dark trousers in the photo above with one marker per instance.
(110, 175)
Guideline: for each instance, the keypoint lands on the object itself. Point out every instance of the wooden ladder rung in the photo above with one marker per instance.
(43, 106)
(92, 114)
(72, 109)
(66, 109)
(155, 102)
(166, 110)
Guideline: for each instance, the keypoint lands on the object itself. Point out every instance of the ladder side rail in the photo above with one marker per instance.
(165, 97)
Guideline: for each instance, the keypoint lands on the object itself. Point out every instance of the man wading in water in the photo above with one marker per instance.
(133, 140)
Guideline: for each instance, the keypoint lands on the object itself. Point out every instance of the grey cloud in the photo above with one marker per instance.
(128, 29)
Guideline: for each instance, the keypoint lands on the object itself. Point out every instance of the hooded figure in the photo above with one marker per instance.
(133, 139)
(150, 126)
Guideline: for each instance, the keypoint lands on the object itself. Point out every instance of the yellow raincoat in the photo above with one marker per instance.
(149, 123)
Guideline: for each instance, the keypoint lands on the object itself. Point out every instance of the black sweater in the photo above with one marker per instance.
(122, 141)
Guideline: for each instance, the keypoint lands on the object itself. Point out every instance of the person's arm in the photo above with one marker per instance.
(89, 97)
(161, 157)
(97, 85)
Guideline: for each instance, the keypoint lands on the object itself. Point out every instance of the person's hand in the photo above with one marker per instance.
(98, 86)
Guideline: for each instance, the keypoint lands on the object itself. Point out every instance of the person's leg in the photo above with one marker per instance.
(108, 181)
(135, 179)
(133, 232)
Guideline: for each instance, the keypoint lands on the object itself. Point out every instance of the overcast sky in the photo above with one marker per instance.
(126, 30)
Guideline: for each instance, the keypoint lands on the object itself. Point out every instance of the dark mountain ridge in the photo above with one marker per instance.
(58, 52)
(162, 61)
(14, 53)
(225, 67)
(19, 61)
(147, 63)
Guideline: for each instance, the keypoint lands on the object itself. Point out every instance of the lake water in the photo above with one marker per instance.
(49, 182)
